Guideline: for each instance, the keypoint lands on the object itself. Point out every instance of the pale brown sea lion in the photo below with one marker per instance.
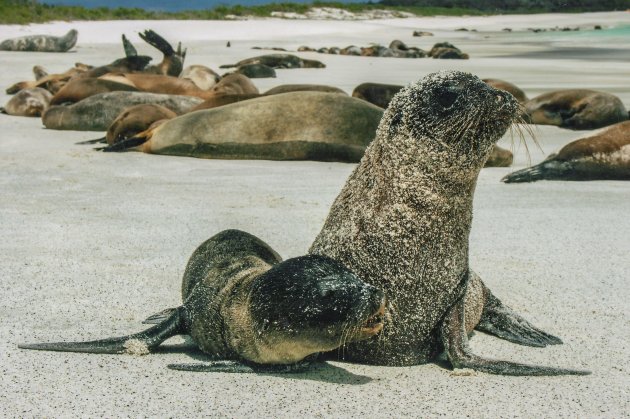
(204, 77)
(403, 219)
(604, 155)
(41, 43)
(376, 93)
(508, 87)
(80, 88)
(578, 109)
(241, 302)
(289, 126)
(96, 113)
(51, 82)
(136, 119)
(28, 102)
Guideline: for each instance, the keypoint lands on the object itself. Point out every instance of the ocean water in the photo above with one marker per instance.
(173, 5)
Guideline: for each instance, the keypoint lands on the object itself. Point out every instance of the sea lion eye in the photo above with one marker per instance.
(447, 96)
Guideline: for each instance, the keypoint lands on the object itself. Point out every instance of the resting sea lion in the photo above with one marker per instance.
(241, 302)
(28, 102)
(41, 43)
(80, 88)
(278, 61)
(51, 82)
(402, 223)
(256, 71)
(203, 77)
(499, 157)
(289, 126)
(286, 88)
(377, 93)
(508, 87)
(97, 112)
(578, 109)
(604, 155)
(173, 62)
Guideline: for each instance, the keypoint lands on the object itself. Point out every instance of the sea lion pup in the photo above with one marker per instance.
(286, 88)
(508, 87)
(290, 126)
(242, 302)
(604, 155)
(173, 62)
(278, 61)
(203, 77)
(402, 223)
(578, 109)
(28, 102)
(41, 43)
(96, 113)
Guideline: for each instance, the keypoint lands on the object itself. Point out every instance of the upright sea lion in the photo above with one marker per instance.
(402, 223)
(41, 43)
(97, 112)
(201, 75)
(279, 61)
(289, 126)
(578, 109)
(604, 155)
(241, 302)
(28, 102)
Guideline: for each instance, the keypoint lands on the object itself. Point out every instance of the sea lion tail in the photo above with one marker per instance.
(155, 40)
(136, 344)
(546, 170)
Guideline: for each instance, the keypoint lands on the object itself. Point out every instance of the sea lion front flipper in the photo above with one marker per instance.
(130, 50)
(136, 344)
(548, 169)
(455, 341)
(242, 368)
(152, 38)
(501, 321)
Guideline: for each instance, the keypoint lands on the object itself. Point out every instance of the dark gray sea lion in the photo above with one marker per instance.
(41, 43)
(289, 126)
(256, 71)
(508, 87)
(28, 102)
(403, 219)
(604, 155)
(578, 109)
(97, 112)
(203, 77)
(242, 303)
(278, 61)
(173, 61)
(446, 50)
(286, 88)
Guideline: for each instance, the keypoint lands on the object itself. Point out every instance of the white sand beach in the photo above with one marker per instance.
(93, 243)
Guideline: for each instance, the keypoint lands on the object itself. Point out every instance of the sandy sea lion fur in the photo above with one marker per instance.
(403, 219)
(242, 303)
(28, 102)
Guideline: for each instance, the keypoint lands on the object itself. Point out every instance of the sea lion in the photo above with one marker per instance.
(376, 93)
(28, 102)
(604, 155)
(256, 71)
(80, 88)
(402, 223)
(446, 50)
(499, 157)
(136, 119)
(242, 302)
(290, 126)
(51, 82)
(508, 87)
(173, 62)
(278, 61)
(41, 43)
(97, 112)
(286, 88)
(203, 77)
(578, 109)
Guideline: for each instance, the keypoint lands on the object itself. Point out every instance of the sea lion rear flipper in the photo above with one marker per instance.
(499, 320)
(155, 40)
(124, 144)
(549, 169)
(242, 367)
(130, 50)
(455, 341)
(94, 141)
(160, 316)
(138, 343)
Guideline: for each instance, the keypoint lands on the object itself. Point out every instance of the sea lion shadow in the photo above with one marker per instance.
(317, 371)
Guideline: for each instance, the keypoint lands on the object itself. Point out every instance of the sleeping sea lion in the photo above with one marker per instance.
(242, 302)
(41, 43)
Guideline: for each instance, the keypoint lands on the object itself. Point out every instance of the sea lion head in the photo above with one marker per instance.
(312, 304)
(451, 117)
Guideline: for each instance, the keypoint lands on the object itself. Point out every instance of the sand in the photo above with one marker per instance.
(93, 243)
